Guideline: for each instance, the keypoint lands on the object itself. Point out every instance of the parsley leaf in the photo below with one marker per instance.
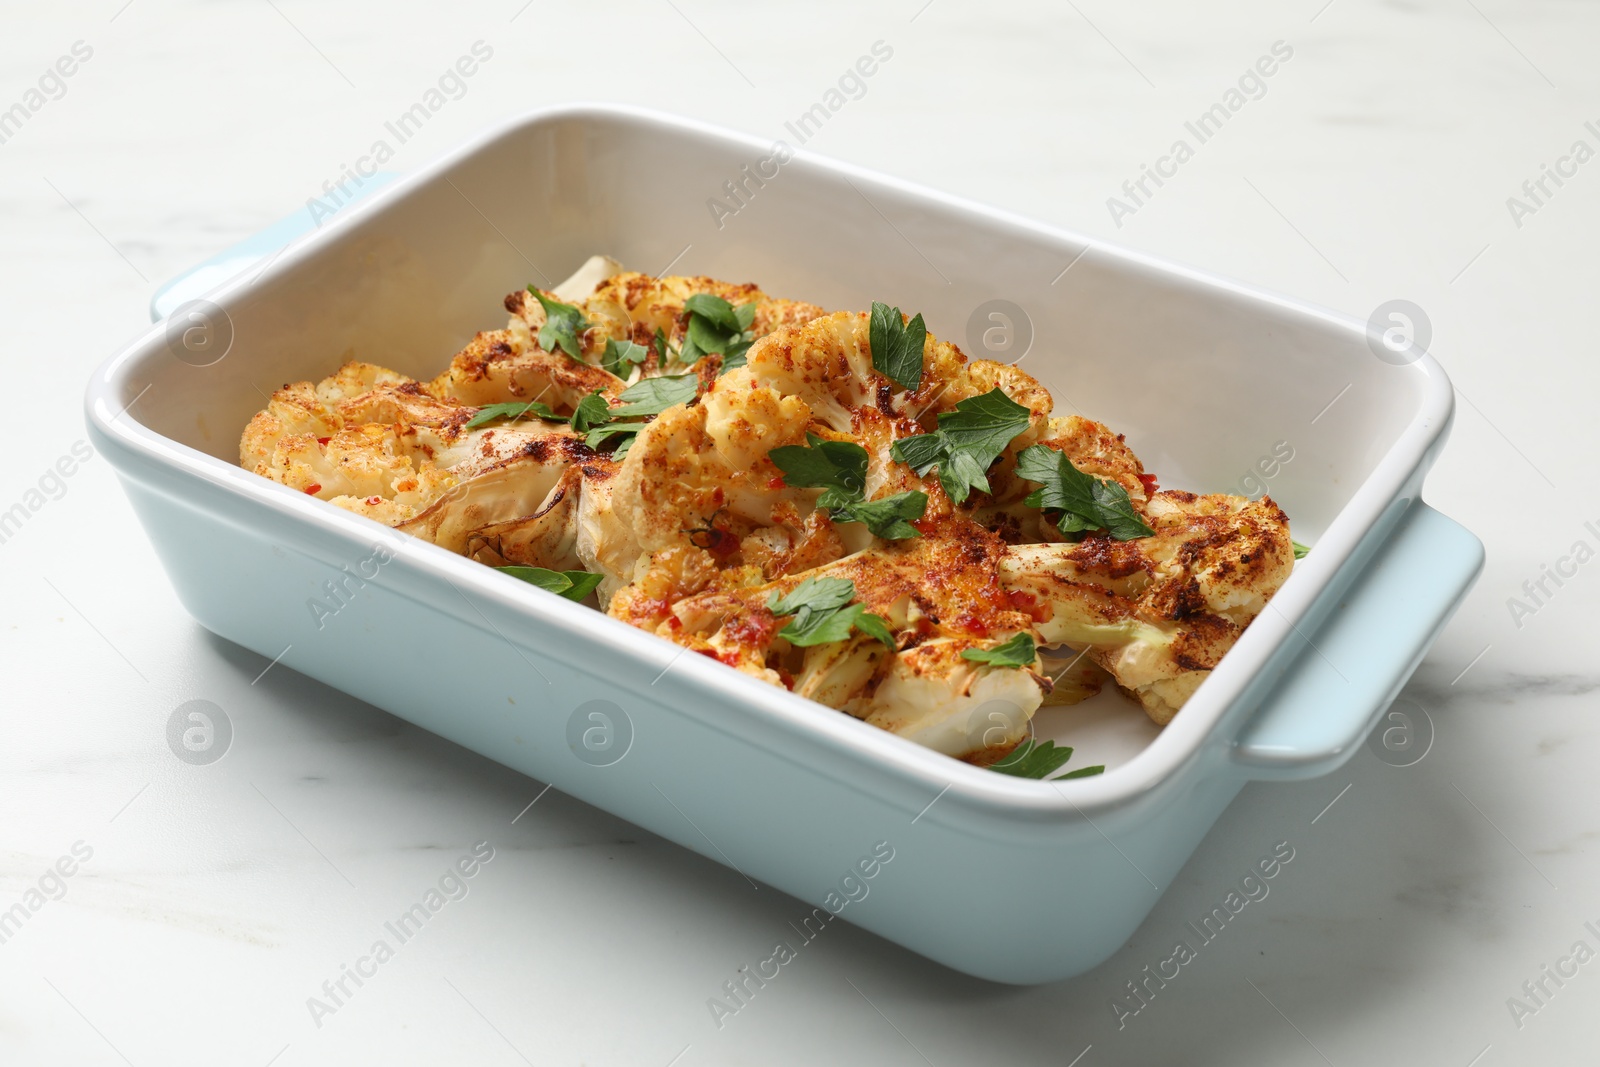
(599, 435)
(1039, 760)
(719, 313)
(513, 411)
(896, 344)
(967, 441)
(591, 411)
(840, 467)
(664, 352)
(563, 326)
(888, 517)
(717, 326)
(821, 616)
(820, 464)
(1299, 549)
(818, 594)
(574, 585)
(821, 627)
(1019, 651)
(619, 354)
(648, 396)
(652, 396)
(875, 626)
(1085, 502)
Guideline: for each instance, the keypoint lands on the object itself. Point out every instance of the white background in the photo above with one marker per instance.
(220, 897)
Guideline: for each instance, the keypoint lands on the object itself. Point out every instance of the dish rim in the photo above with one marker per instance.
(912, 764)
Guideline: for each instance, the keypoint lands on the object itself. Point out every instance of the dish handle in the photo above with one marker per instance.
(1361, 655)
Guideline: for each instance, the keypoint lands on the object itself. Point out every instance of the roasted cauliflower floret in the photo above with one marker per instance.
(953, 602)
(627, 306)
(699, 530)
(1158, 612)
(376, 443)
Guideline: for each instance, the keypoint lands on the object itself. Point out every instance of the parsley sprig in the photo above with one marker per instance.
(823, 613)
(621, 356)
(591, 411)
(1085, 502)
(716, 326)
(646, 397)
(1040, 759)
(665, 353)
(1018, 651)
(574, 585)
(563, 326)
(652, 396)
(513, 411)
(896, 344)
(839, 468)
(967, 441)
(1300, 551)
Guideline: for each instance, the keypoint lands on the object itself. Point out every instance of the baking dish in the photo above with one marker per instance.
(1205, 376)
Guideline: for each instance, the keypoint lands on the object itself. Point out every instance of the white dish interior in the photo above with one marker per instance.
(1206, 378)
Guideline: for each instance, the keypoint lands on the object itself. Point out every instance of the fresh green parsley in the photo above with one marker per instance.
(874, 626)
(840, 469)
(967, 441)
(591, 411)
(817, 594)
(717, 326)
(665, 353)
(620, 356)
(896, 344)
(513, 411)
(1299, 549)
(563, 326)
(648, 396)
(601, 434)
(820, 464)
(1041, 759)
(823, 613)
(1018, 651)
(628, 431)
(1085, 502)
(652, 396)
(574, 585)
(889, 517)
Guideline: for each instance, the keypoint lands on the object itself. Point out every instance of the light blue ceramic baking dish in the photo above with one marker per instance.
(789, 793)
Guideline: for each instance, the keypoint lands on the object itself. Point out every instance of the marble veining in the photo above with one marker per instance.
(220, 897)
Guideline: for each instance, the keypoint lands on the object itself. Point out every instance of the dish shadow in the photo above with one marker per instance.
(1389, 863)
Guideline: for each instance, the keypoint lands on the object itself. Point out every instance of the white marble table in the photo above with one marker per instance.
(206, 904)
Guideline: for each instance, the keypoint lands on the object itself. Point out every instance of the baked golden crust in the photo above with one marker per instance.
(696, 530)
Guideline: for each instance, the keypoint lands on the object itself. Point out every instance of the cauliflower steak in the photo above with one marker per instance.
(839, 504)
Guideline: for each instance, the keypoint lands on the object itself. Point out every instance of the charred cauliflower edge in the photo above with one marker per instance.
(698, 537)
